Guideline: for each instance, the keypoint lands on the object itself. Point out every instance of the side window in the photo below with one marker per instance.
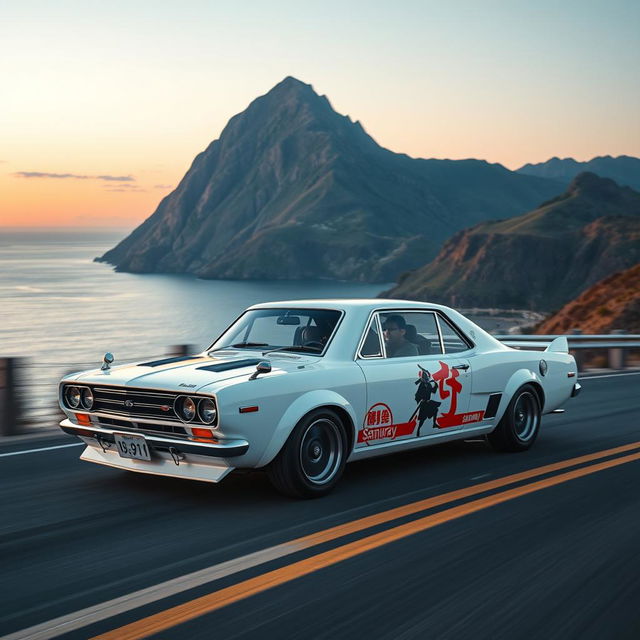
(410, 333)
(371, 347)
(453, 341)
(422, 330)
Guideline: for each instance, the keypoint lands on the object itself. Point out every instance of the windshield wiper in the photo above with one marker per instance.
(240, 345)
(296, 347)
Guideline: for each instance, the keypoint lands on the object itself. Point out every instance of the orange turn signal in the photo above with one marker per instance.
(202, 433)
(83, 419)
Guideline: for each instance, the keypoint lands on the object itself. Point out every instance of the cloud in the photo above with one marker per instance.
(116, 178)
(124, 188)
(72, 176)
(162, 186)
(38, 174)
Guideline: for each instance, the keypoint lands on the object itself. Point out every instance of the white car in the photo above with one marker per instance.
(301, 387)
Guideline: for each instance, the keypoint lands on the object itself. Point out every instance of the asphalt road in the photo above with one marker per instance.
(551, 553)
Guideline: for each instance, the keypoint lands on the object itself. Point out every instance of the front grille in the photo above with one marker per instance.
(135, 403)
(140, 405)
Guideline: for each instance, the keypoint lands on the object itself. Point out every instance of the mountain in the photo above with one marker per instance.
(294, 190)
(625, 170)
(539, 260)
(612, 303)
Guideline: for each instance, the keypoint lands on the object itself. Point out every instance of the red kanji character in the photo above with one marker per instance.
(440, 376)
(384, 416)
(445, 376)
(456, 388)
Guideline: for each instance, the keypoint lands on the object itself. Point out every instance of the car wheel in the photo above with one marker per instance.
(519, 426)
(312, 460)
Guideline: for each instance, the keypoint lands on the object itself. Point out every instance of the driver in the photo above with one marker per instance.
(394, 330)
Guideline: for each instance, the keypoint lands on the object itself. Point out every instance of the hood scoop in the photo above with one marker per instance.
(158, 363)
(234, 364)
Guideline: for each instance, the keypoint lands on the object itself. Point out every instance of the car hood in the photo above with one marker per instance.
(190, 373)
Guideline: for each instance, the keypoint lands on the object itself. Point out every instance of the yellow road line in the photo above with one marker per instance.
(429, 503)
(223, 597)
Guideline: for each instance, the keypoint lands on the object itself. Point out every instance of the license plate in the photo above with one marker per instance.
(131, 446)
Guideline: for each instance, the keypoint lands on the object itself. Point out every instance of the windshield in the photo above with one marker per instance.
(286, 329)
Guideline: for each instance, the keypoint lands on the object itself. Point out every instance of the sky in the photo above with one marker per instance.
(104, 105)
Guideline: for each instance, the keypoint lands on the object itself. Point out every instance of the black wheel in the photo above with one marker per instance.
(519, 426)
(313, 458)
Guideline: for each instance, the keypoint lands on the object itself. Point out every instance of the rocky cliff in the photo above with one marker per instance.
(292, 189)
(539, 260)
(612, 303)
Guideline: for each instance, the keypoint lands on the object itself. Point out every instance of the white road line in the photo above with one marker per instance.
(612, 375)
(59, 446)
(104, 610)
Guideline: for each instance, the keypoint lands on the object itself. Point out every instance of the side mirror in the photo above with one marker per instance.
(261, 367)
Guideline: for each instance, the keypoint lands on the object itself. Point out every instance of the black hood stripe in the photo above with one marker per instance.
(157, 363)
(233, 364)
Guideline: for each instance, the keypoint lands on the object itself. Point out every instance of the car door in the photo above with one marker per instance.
(411, 393)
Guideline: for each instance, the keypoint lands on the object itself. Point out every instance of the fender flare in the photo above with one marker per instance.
(297, 410)
(517, 380)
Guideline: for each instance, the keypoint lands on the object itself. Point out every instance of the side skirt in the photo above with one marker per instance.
(415, 443)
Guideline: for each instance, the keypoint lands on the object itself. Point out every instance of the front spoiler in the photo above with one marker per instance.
(228, 449)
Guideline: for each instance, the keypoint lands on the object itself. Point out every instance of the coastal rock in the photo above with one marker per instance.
(539, 260)
(294, 190)
(610, 304)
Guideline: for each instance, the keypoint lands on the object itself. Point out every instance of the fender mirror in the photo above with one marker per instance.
(261, 367)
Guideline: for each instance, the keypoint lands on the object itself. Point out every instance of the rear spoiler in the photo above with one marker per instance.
(559, 344)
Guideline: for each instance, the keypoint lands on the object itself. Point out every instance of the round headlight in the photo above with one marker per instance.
(207, 410)
(188, 408)
(72, 397)
(86, 398)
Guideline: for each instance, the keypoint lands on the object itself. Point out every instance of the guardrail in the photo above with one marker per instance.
(16, 416)
(26, 405)
(615, 345)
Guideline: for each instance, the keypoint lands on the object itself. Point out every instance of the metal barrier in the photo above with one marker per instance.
(616, 345)
(15, 416)
(10, 397)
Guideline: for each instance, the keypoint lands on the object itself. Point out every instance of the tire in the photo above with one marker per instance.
(312, 460)
(520, 424)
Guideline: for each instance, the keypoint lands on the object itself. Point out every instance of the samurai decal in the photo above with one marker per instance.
(427, 408)
(433, 391)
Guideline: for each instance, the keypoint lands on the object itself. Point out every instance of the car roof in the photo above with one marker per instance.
(350, 303)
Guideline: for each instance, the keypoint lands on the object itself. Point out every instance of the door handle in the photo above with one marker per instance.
(464, 367)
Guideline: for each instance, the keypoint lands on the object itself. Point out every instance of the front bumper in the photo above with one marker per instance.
(227, 449)
(170, 457)
(576, 389)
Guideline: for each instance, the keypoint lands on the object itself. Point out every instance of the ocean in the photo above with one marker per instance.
(60, 311)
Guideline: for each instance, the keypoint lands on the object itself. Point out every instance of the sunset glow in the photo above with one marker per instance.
(105, 106)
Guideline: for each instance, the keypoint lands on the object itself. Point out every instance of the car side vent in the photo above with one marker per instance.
(157, 363)
(227, 366)
(492, 405)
